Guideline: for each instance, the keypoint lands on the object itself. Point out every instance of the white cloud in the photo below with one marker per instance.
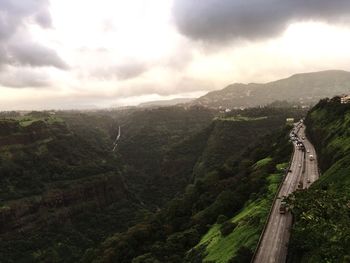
(23, 77)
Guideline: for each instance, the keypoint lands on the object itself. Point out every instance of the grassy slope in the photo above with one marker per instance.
(321, 230)
(25, 121)
(250, 222)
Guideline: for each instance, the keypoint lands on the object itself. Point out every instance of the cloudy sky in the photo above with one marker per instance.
(99, 53)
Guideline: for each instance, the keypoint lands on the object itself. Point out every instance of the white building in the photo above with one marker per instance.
(345, 99)
(290, 120)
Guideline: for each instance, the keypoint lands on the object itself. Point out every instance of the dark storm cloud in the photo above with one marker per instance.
(16, 47)
(222, 20)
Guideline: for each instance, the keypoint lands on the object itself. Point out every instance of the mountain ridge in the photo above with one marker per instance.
(301, 88)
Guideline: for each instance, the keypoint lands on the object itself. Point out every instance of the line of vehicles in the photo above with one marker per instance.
(301, 147)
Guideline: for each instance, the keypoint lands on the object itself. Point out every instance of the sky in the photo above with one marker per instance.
(80, 54)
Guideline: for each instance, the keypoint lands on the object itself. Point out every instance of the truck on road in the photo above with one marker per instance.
(283, 207)
(311, 157)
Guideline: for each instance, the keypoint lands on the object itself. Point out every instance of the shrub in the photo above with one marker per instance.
(227, 228)
(244, 255)
(221, 219)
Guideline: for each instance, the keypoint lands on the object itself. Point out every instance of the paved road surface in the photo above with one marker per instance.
(274, 243)
(311, 167)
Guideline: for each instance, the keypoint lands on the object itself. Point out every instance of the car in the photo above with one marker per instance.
(308, 151)
(308, 181)
(299, 165)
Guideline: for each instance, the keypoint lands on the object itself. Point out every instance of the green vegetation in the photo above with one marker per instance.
(61, 190)
(222, 193)
(249, 223)
(228, 139)
(159, 148)
(31, 117)
(66, 197)
(321, 230)
(26, 121)
(263, 162)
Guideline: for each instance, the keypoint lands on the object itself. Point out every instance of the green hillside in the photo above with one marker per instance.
(305, 89)
(152, 147)
(322, 214)
(236, 187)
(178, 176)
(239, 242)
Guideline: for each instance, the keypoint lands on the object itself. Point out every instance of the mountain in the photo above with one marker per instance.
(305, 89)
(322, 213)
(165, 103)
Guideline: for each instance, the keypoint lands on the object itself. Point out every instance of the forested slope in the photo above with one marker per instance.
(322, 213)
(177, 178)
(224, 206)
(61, 190)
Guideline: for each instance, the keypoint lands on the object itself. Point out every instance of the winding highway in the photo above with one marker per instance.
(273, 246)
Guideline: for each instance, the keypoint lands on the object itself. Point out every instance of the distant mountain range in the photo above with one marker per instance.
(165, 103)
(306, 88)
